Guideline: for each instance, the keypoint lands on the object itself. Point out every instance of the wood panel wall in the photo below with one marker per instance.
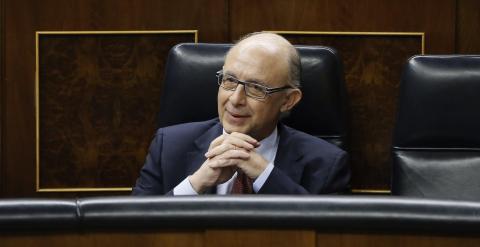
(235, 237)
(451, 26)
(467, 27)
(2, 90)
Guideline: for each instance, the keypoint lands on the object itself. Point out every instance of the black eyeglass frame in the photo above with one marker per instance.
(267, 90)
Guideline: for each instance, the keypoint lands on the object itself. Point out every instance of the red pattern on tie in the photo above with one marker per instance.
(242, 184)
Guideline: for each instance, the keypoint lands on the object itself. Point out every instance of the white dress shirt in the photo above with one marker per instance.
(267, 149)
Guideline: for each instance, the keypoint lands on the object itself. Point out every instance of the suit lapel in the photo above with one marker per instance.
(196, 157)
(286, 154)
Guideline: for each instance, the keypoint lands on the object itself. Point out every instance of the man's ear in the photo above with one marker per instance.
(293, 97)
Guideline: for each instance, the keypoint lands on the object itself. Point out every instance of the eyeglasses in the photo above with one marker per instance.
(252, 89)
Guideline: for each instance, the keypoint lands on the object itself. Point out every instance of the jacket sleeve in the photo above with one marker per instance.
(317, 178)
(279, 183)
(150, 181)
(338, 179)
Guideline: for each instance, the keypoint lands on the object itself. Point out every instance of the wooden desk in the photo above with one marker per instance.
(324, 221)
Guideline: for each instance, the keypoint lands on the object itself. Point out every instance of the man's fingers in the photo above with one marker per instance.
(231, 141)
(235, 154)
(237, 139)
(246, 138)
(219, 150)
(239, 142)
(221, 163)
(217, 141)
(229, 158)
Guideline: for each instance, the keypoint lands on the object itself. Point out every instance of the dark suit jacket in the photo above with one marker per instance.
(303, 164)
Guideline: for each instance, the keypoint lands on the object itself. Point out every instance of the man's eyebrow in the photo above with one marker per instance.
(226, 72)
(255, 81)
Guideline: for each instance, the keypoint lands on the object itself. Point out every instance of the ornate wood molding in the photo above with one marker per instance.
(97, 98)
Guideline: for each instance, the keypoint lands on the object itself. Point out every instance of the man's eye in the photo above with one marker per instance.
(230, 80)
(257, 87)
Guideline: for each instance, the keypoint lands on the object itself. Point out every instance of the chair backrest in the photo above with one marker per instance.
(190, 89)
(436, 144)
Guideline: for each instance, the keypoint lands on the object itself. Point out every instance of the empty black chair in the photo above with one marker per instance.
(436, 144)
(190, 89)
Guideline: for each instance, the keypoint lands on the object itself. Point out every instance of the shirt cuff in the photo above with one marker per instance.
(184, 188)
(257, 185)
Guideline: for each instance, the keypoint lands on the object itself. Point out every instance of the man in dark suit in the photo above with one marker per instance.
(246, 150)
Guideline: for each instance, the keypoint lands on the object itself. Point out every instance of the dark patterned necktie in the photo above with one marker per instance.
(242, 184)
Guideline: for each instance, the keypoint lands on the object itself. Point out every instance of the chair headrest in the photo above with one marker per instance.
(439, 103)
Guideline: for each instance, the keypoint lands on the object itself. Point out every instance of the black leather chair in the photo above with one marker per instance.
(436, 144)
(190, 89)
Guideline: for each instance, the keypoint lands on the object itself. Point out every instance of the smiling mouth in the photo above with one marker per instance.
(236, 115)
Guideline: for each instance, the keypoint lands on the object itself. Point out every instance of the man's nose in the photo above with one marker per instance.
(238, 96)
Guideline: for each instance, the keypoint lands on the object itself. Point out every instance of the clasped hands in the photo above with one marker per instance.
(227, 154)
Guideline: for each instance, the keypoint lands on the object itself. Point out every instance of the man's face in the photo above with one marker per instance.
(240, 113)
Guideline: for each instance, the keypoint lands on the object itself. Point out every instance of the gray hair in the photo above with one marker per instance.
(295, 67)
